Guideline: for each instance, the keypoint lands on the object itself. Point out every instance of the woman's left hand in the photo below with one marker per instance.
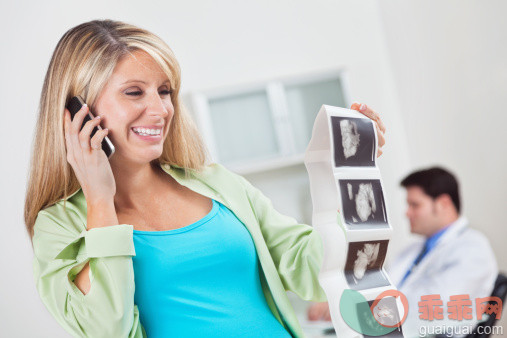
(381, 129)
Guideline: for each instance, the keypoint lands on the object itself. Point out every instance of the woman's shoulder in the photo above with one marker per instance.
(67, 214)
(211, 172)
(218, 170)
(219, 173)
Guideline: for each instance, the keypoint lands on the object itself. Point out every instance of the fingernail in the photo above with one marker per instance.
(97, 117)
(84, 105)
(355, 102)
(362, 106)
(106, 129)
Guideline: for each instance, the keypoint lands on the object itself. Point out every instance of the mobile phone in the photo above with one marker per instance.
(74, 105)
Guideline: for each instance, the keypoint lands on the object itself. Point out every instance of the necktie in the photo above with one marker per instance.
(419, 258)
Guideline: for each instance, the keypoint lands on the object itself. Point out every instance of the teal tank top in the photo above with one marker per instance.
(202, 280)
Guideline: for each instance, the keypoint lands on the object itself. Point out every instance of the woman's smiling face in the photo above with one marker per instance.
(136, 107)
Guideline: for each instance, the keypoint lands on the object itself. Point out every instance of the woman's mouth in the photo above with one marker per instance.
(149, 134)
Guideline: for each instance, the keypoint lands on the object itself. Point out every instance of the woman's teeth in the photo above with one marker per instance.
(146, 131)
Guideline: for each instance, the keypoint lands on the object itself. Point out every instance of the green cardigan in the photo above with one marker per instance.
(290, 255)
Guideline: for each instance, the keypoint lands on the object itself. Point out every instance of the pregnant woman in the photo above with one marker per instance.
(154, 241)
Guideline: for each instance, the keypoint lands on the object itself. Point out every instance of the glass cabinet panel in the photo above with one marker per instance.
(243, 127)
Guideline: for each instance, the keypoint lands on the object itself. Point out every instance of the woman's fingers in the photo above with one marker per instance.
(77, 121)
(96, 141)
(91, 168)
(379, 125)
(85, 134)
(319, 311)
(365, 110)
(380, 135)
(355, 106)
(75, 127)
(373, 115)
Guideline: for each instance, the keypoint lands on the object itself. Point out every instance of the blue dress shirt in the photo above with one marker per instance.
(431, 242)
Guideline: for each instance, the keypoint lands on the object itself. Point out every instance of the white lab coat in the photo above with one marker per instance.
(462, 262)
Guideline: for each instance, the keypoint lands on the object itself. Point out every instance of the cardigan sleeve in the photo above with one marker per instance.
(296, 249)
(60, 253)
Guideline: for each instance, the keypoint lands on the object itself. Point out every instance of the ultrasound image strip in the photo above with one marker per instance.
(354, 142)
(360, 200)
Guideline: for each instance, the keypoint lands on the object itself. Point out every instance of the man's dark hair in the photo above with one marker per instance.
(435, 182)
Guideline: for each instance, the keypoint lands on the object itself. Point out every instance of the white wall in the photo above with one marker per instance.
(224, 43)
(449, 61)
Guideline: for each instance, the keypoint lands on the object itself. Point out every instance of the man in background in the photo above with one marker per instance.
(450, 259)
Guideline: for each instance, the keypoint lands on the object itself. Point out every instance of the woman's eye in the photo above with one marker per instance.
(137, 93)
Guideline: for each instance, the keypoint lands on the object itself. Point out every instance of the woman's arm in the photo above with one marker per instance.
(60, 254)
(296, 249)
(99, 214)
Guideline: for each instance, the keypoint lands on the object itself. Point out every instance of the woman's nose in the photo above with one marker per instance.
(156, 107)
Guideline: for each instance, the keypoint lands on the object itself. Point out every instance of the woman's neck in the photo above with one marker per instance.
(137, 185)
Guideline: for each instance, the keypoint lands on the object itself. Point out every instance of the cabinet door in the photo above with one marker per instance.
(243, 127)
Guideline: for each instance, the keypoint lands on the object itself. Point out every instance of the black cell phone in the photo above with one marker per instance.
(74, 105)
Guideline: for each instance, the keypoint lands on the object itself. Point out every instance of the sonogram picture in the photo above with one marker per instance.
(363, 269)
(362, 203)
(354, 142)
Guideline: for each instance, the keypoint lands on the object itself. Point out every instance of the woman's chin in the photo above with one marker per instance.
(147, 158)
(144, 157)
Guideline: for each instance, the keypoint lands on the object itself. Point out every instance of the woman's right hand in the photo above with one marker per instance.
(87, 158)
(319, 311)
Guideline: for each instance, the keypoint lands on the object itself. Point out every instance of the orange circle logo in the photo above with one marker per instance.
(385, 309)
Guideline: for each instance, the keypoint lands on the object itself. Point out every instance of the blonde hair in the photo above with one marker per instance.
(82, 62)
